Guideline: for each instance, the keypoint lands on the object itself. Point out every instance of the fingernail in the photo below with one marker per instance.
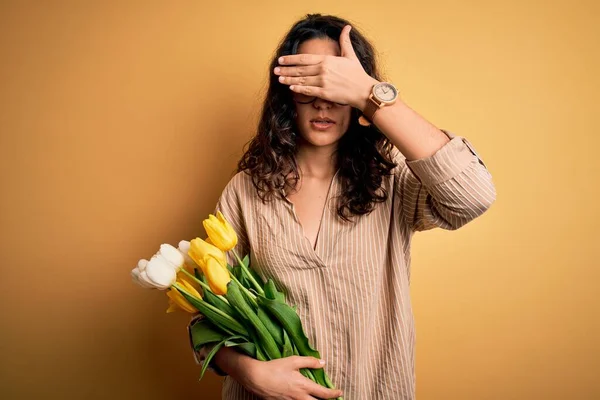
(322, 362)
(280, 60)
(277, 70)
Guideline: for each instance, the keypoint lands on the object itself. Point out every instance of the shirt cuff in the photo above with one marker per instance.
(446, 163)
(200, 355)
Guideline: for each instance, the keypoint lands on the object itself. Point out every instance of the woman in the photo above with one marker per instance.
(326, 200)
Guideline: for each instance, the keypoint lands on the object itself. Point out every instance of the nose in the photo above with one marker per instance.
(322, 103)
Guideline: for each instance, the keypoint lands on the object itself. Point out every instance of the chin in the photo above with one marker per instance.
(321, 138)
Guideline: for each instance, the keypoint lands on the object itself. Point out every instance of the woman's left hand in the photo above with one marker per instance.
(338, 79)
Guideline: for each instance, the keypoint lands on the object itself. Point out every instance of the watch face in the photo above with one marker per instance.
(385, 91)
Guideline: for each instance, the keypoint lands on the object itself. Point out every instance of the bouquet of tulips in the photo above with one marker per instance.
(239, 308)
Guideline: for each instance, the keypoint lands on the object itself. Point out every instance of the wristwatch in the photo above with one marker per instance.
(382, 94)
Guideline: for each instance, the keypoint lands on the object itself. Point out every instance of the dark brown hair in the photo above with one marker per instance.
(363, 153)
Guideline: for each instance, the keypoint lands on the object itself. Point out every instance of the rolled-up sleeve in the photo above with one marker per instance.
(447, 189)
(200, 355)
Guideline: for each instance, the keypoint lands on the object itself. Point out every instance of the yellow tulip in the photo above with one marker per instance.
(183, 277)
(216, 275)
(220, 232)
(200, 250)
(176, 299)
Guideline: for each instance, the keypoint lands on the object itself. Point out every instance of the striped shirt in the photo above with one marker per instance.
(352, 290)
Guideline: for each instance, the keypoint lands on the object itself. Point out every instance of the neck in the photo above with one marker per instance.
(316, 162)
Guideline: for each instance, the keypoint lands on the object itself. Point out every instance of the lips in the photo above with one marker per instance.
(323, 120)
(322, 124)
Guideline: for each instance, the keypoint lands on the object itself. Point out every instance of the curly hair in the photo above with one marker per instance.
(363, 154)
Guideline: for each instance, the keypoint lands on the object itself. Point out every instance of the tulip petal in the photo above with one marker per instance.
(160, 272)
(142, 264)
(184, 246)
(178, 299)
(172, 255)
(135, 275)
(190, 288)
(145, 281)
(140, 278)
(172, 307)
(217, 276)
(200, 250)
(220, 232)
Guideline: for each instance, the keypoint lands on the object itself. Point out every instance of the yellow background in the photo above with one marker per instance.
(122, 121)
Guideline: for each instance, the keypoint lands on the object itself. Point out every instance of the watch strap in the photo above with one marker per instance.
(370, 109)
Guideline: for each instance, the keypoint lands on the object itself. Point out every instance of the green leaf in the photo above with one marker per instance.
(270, 290)
(237, 300)
(290, 321)
(237, 272)
(310, 374)
(272, 326)
(219, 302)
(203, 332)
(304, 372)
(212, 353)
(216, 316)
(260, 354)
(272, 293)
(287, 345)
(247, 348)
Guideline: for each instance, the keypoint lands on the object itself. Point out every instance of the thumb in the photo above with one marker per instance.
(308, 362)
(346, 43)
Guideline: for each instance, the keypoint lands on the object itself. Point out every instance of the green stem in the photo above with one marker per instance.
(250, 276)
(204, 285)
(248, 293)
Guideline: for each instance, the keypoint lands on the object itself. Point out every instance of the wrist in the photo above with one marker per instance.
(365, 91)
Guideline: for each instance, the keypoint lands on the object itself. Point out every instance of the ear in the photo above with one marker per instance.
(346, 43)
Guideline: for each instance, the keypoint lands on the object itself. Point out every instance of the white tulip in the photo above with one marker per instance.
(171, 255)
(142, 264)
(161, 272)
(145, 280)
(184, 247)
(138, 275)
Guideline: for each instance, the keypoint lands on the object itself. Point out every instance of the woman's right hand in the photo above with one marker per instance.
(281, 379)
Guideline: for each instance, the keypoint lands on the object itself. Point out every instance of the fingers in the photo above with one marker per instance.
(301, 80)
(346, 43)
(315, 91)
(306, 70)
(298, 362)
(322, 392)
(301, 59)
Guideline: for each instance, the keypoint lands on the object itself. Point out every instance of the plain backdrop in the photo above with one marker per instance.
(122, 121)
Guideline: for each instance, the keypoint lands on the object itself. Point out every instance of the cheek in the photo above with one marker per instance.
(346, 119)
(301, 116)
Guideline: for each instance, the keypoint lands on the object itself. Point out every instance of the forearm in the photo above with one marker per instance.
(413, 135)
(233, 363)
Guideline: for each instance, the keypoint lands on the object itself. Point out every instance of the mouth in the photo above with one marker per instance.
(322, 123)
